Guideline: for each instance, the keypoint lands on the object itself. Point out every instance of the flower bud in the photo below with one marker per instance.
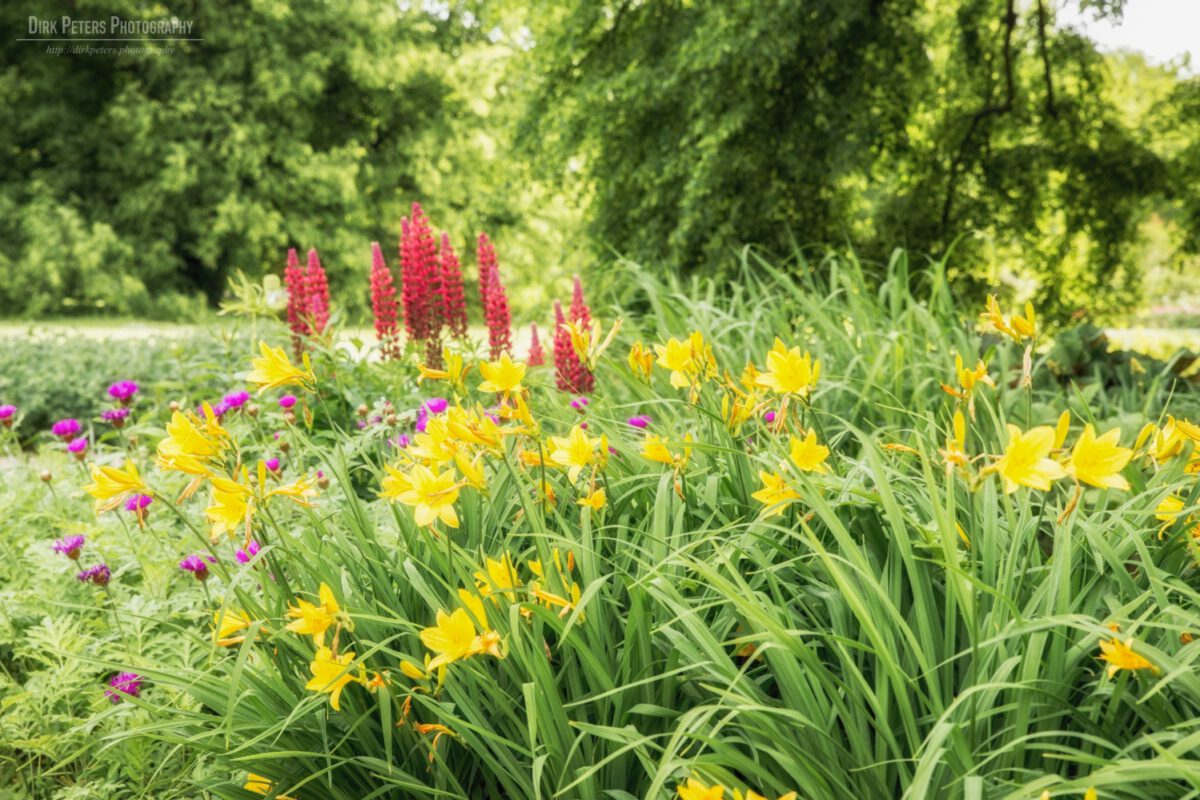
(252, 409)
(289, 417)
(363, 410)
(173, 405)
(284, 446)
(46, 476)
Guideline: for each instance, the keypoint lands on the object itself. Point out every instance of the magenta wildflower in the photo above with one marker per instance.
(287, 401)
(98, 575)
(272, 464)
(195, 565)
(69, 546)
(115, 416)
(769, 416)
(7, 411)
(129, 683)
(402, 441)
(640, 421)
(123, 391)
(78, 446)
(138, 502)
(435, 406)
(579, 404)
(244, 556)
(66, 428)
(236, 399)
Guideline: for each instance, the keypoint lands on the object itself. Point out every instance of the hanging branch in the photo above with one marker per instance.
(1010, 24)
(1041, 31)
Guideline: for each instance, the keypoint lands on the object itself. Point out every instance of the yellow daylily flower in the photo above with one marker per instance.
(264, 786)
(954, 454)
(776, 495)
(1120, 655)
(497, 576)
(432, 496)
(808, 455)
(586, 340)
(595, 501)
(676, 356)
(1018, 328)
(641, 361)
(788, 372)
(471, 469)
(111, 485)
(694, 789)
(1026, 459)
(454, 373)
(191, 443)
(473, 603)
(274, 369)
(575, 451)
(313, 620)
(503, 376)
(332, 673)
(436, 444)
(753, 795)
(1099, 461)
(453, 639)
(231, 508)
(655, 449)
(1164, 443)
(227, 625)
(394, 483)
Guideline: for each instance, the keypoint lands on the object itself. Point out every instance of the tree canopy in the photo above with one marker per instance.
(138, 182)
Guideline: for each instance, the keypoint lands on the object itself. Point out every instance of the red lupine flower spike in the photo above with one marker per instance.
(495, 301)
(383, 303)
(537, 356)
(564, 353)
(454, 307)
(297, 304)
(318, 293)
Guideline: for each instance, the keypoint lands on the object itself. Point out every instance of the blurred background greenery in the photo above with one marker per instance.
(671, 132)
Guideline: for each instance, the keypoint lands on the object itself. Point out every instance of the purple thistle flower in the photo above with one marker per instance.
(583, 426)
(98, 575)
(287, 401)
(402, 441)
(116, 416)
(244, 556)
(138, 502)
(123, 391)
(220, 407)
(7, 411)
(436, 405)
(579, 404)
(129, 683)
(769, 416)
(235, 399)
(641, 421)
(69, 546)
(272, 464)
(78, 446)
(66, 428)
(195, 565)
(362, 424)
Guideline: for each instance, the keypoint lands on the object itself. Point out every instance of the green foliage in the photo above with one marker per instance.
(698, 127)
(854, 645)
(56, 722)
(50, 377)
(137, 179)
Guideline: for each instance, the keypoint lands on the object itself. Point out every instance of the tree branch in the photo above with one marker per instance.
(1041, 30)
(1010, 24)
